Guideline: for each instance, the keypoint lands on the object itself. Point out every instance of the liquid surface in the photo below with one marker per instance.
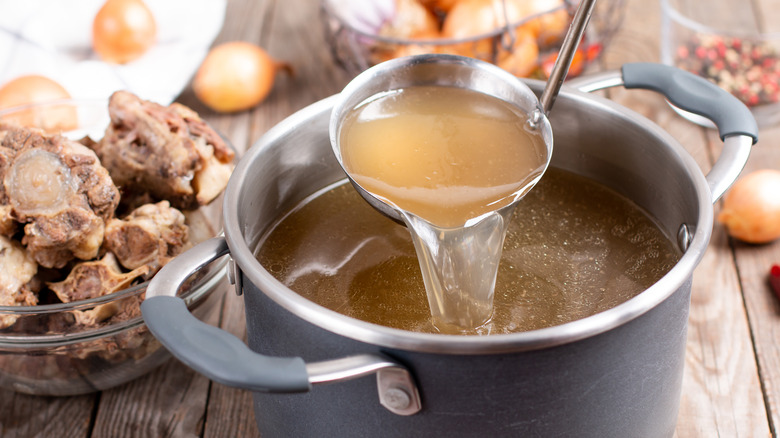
(577, 249)
(445, 154)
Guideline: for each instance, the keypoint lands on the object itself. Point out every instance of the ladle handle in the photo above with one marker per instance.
(224, 358)
(736, 125)
(568, 48)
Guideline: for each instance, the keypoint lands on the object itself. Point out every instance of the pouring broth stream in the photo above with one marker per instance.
(454, 162)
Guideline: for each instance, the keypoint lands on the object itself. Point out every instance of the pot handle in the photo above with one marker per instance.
(736, 125)
(224, 358)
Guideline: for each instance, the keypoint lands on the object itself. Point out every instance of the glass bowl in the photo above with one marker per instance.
(45, 351)
(363, 33)
(729, 43)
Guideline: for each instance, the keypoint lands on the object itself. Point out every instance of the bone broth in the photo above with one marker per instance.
(453, 161)
(573, 248)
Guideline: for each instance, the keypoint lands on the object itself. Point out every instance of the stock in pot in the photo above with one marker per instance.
(314, 372)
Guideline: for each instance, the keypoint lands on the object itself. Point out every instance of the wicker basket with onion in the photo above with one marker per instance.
(521, 36)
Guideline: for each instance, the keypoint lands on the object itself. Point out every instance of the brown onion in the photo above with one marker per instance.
(751, 208)
(553, 22)
(439, 6)
(411, 20)
(471, 18)
(523, 59)
(235, 76)
(123, 30)
(33, 89)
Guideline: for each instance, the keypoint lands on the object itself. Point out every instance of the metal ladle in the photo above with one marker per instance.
(566, 54)
(459, 264)
(451, 70)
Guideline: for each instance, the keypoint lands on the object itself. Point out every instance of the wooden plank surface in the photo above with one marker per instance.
(24, 415)
(763, 307)
(731, 384)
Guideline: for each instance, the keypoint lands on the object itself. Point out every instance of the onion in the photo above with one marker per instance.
(550, 25)
(235, 76)
(365, 17)
(410, 20)
(751, 208)
(524, 56)
(30, 89)
(123, 30)
(439, 6)
(470, 18)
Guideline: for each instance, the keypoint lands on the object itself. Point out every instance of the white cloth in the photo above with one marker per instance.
(53, 38)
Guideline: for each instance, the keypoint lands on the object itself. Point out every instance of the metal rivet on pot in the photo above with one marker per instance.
(684, 237)
(396, 398)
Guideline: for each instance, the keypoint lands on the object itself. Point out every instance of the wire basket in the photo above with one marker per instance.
(362, 33)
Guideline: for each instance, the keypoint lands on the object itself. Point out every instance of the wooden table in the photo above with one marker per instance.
(731, 385)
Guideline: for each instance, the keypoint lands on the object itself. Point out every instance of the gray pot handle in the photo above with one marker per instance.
(736, 125)
(224, 358)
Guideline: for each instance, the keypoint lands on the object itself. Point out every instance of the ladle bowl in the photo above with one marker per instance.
(436, 70)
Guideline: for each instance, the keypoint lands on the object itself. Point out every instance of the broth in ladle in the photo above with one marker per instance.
(444, 154)
(452, 161)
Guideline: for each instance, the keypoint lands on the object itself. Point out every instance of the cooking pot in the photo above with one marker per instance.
(614, 374)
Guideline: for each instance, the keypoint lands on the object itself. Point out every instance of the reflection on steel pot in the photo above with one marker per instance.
(614, 374)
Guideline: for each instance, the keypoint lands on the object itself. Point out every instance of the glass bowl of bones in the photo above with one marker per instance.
(95, 197)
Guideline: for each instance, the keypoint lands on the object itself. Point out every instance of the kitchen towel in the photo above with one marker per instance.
(53, 38)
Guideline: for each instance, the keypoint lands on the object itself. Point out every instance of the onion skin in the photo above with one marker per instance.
(235, 76)
(751, 208)
(523, 58)
(438, 6)
(549, 27)
(470, 18)
(123, 30)
(411, 21)
(30, 89)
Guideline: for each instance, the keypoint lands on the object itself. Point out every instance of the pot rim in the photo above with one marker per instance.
(466, 344)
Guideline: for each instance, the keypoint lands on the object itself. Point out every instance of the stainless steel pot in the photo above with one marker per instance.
(614, 374)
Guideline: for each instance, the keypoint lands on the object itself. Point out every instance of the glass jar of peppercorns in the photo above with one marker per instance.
(730, 43)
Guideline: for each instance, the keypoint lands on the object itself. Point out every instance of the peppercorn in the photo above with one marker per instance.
(748, 69)
(774, 279)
